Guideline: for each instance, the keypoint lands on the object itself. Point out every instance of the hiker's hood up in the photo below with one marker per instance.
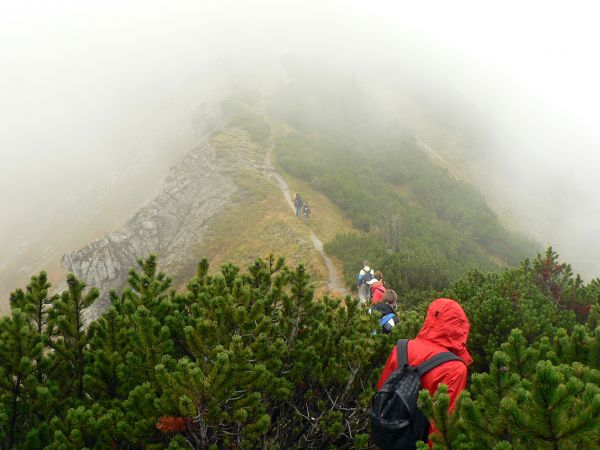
(447, 325)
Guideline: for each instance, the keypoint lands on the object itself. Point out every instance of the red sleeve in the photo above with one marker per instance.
(455, 377)
(390, 365)
(452, 374)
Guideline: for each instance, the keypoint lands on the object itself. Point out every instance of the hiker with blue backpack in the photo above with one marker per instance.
(387, 309)
(365, 276)
(438, 355)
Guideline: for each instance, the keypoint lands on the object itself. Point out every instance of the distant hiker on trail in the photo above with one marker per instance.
(377, 286)
(387, 309)
(298, 203)
(307, 211)
(439, 354)
(365, 275)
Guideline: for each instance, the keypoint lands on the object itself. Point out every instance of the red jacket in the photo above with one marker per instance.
(446, 328)
(377, 290)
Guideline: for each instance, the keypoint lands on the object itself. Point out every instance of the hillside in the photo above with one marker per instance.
(420, 219)
(258, 220)
(379, 192)
(221, 201)
(251, 359)
(194, 351)
(376, 196)
(105, 199)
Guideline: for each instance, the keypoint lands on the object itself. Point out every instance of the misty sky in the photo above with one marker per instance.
(83, 82)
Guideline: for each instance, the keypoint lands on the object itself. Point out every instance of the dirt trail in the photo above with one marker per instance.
(334, 281)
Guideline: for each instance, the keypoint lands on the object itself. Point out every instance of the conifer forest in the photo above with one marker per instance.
(251, 359)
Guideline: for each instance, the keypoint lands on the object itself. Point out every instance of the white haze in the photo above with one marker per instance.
(85, 87)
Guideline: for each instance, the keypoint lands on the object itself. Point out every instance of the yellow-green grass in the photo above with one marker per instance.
(327, 219)
(259, 221)
(233, 144)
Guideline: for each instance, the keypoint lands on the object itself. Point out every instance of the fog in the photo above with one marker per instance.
(90, 89)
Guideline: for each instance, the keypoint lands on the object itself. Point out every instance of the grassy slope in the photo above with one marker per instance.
(451, 150)
(259, 221)
(327, 218)
(441, 228)
(455, 154)
(268, 225)
(405, 192)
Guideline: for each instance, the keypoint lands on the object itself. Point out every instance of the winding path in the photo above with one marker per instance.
(335, 283)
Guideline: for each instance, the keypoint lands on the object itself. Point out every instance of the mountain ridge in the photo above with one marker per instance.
(197, 203)
(222, 200)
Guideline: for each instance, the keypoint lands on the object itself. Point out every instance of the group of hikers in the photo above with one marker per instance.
(302, 208)
(372, 291)
(438, 355)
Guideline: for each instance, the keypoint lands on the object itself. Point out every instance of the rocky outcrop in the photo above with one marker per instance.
(175, 220)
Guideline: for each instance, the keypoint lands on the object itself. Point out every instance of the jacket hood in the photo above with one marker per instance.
(447, 325)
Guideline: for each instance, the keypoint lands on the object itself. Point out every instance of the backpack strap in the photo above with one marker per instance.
(402, 349)
(435, 361)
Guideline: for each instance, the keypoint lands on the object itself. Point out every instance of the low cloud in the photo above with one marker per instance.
(85, 87)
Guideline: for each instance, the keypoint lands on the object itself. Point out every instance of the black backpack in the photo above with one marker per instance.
(368, 276)
(396, 422)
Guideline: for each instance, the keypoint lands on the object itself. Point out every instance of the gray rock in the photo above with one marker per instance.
(195, 190)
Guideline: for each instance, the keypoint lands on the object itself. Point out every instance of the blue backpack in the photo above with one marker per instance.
(384, 322)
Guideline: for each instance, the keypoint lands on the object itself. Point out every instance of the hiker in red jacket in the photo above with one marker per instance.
(446, 328)
(377, 288)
